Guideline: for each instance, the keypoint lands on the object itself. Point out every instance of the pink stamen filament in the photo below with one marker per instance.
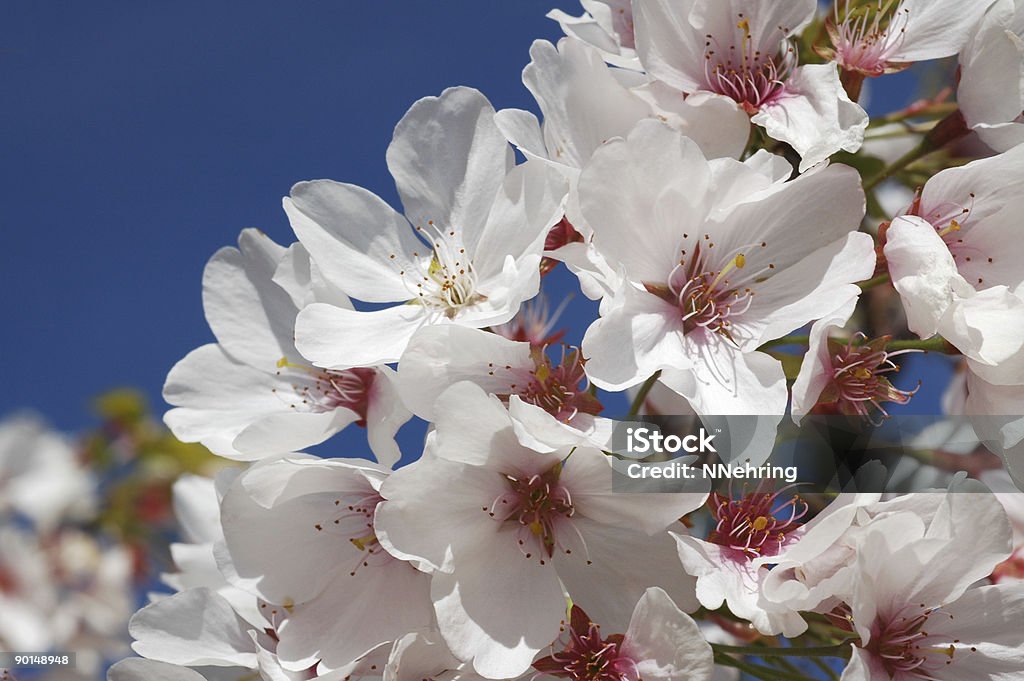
(535, 323)
(711, 297)
(587, 656)
(904, 647)
(561, 390)
(866, 39)
(859, 384)
(751, 78)
(320, 390)
(754, 525)
(539, 508)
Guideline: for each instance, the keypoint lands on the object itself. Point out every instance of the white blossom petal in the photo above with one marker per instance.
(448, 159)
(138, 669)
(814, 115)
(351, 234)
(336, 338)
(249, 314)
(667, 643)
(193, 628)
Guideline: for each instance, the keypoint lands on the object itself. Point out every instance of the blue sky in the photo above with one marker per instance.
(140, 137)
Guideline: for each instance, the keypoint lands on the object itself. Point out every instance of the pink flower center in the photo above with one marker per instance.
(859, 384)
(351, 519)
(559, 389)
(320, 390)
(755, 525)
(906, 649)
(866, 39)
(744, 73)
(587, 656)
(349, 389)
(536, 506)
(710, 296)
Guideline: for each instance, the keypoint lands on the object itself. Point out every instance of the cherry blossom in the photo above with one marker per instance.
(818, 572)
(466, 252)
(757, 525)
(347, 595)
(252, 394)
(548, 398)
(717, 269)
(683, 165)
(40, 476)
(237, 631)
(533, 526)
(851, 377)
(926, 621)
(743, 50)
(954, 263)
(199, 628)
(63, 590)
(888, 35)
(661, 643)
(585, 104)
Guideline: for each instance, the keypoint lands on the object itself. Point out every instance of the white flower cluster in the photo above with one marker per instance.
(682, 172)
(61, 587)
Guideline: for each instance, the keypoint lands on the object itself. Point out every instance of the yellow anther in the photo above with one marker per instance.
(760, 523)
(543, 372)
(363, 542)
(736, 263)
(435, 266)
(954, 226)
(284, 362)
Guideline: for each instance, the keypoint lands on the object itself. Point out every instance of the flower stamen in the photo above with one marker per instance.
(561, 390)
(586, 655)
(321, 390)
(859, 385)
(537, 506)
(867, 37)
(755, 525)
(751, 78)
